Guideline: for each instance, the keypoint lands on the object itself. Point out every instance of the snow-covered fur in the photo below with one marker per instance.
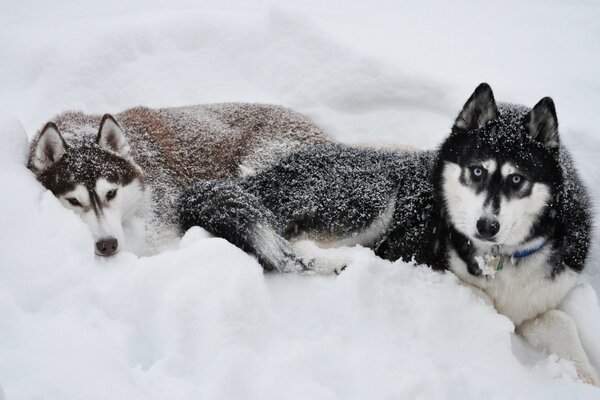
(500, 186)
(123, 177)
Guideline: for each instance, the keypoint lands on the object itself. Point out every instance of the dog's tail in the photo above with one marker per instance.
(225, 209)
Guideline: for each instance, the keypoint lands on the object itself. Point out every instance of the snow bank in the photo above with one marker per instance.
(203, 321)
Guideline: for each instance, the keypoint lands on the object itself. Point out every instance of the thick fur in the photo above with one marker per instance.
(429, 207)
(149, 155)
(328, 193)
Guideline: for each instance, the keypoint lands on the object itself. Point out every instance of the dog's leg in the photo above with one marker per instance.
(555, 331)
(582, 305)
(226, 210)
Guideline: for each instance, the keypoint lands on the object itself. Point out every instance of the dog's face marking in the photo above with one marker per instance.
(94, 178)
(499, 170)
(474, 193)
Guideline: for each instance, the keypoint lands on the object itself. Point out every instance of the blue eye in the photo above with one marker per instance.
(516, 179)
(477, 171)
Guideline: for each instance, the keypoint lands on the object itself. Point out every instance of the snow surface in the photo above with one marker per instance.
(203, 321)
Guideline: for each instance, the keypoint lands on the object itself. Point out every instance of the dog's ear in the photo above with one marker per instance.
(49, 148)
(111, 137)
(478, 110)
(541, 123)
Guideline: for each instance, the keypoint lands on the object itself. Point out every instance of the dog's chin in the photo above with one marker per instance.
(496, 240)
(107, 255)
(482, 240)
(479, 240)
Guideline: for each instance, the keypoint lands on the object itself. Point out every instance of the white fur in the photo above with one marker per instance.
(507, 169)
(464, 206)
(322, 261)
(112, 138)
(490, 166)
(244, 171)
(522, 291)
(115, 215)
(556, 332)
(516, 215)
(581, 304)
(273, 248)
(51, 140)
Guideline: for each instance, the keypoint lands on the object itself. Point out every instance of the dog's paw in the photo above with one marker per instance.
(327, 266)
(587, 374)
(291, 263)
(340, 270)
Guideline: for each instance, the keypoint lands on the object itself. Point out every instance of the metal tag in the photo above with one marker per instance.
(490, 263)
(495, 262)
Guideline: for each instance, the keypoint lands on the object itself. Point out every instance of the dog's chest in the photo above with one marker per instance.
(522, 289)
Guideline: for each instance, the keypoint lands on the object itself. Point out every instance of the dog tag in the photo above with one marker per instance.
(490, 264)
(495, 262)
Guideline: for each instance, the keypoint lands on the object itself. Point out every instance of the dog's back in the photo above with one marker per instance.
(205, 141)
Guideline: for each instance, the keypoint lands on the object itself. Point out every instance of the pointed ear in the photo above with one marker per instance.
(111, 137)
(478, 110)
(541, 123)
(49, 148)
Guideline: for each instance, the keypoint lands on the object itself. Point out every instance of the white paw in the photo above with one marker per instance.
(587, 374)
(327, 266)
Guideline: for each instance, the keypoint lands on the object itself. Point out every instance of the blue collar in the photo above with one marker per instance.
(528, 252)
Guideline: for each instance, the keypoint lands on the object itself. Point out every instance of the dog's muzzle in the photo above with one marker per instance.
(107, 247)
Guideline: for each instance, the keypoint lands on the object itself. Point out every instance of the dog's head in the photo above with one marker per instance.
(93, 176)
(498, 172)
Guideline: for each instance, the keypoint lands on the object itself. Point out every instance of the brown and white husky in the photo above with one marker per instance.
(122, 174)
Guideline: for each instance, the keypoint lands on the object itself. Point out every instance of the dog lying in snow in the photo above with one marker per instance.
(500, 204)
(121, 176)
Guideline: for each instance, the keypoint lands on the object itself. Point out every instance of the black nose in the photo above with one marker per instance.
(107, 247)
(488, 227)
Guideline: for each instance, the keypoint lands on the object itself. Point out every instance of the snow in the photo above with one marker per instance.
(203, 321)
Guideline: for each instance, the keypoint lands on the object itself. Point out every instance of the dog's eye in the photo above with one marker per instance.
(478, 172)
(111, 194)
(74, 202)
(516, 180)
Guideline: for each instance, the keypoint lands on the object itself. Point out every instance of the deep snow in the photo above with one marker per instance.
(203, 321)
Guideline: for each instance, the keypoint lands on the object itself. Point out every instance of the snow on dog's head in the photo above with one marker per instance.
(498, 172)
(92, 175)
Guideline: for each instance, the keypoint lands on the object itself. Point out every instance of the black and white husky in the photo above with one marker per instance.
(121, 177)
(499, 204)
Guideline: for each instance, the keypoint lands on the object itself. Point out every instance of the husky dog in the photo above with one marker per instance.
(109, 172)
(499, 204)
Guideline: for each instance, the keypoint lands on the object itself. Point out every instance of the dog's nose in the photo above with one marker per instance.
(488, 227)
(107, 247)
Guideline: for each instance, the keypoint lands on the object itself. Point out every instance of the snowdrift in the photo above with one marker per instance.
(203, 321)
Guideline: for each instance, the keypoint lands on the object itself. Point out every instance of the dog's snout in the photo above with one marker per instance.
(488, 227)
(107, 247)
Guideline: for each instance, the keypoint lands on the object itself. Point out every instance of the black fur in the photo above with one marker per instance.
(338, 190)
(326, 189)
